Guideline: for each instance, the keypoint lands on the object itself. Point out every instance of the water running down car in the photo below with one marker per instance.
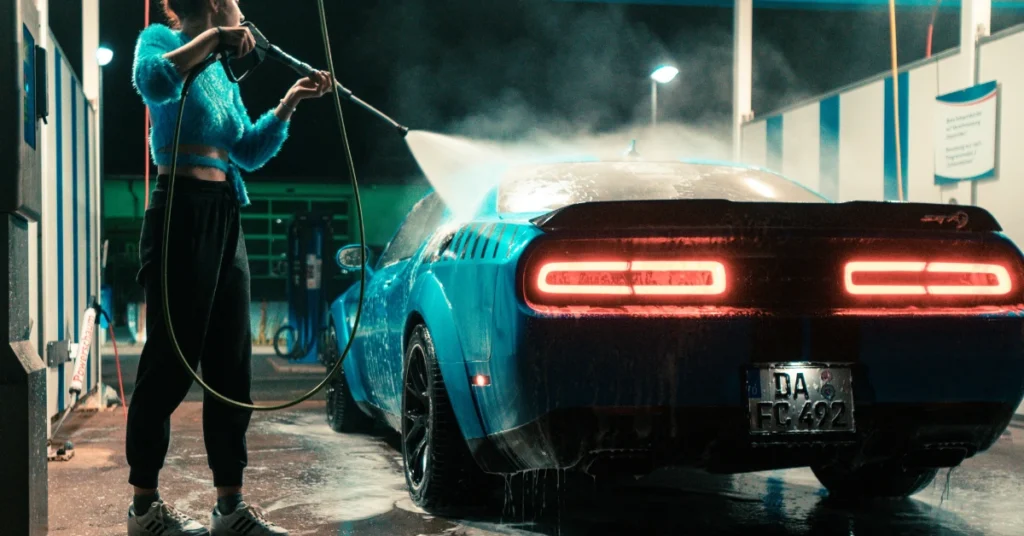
(617, 317)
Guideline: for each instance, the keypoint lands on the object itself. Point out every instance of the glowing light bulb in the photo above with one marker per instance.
(664, 74)
(104, 56)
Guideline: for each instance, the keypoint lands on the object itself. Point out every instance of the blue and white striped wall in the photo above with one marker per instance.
(1000, 59)
(844, 144)
(66, 251)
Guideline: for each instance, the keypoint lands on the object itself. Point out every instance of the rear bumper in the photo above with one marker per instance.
(672, 390)
(600, 440)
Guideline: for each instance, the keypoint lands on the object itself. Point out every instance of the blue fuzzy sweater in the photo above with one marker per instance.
(214, 113)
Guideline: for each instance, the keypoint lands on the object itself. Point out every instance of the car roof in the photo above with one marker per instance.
(489, 208)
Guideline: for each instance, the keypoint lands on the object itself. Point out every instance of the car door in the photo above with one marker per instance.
(390, 289)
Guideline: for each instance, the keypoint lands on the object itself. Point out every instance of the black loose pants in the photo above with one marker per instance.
(208, 282)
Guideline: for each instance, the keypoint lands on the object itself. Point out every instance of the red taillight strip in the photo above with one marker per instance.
(717, 285)
(1003, 285)
(868, 266)
(552, 267)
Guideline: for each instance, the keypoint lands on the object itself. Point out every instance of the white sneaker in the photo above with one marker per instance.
(163, 519)
(246, 520)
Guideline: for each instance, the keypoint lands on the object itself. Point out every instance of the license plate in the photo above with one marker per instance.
(800, 399)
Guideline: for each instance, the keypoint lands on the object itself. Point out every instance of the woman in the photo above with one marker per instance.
(208, 273)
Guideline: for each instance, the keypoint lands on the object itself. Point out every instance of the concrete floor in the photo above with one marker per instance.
(317, 482)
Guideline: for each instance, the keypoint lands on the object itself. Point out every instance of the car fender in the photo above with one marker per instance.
(339, 318)
(428, 300)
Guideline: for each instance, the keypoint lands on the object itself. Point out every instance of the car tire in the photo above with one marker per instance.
(874, 481)
(343, 415)
(438, 467)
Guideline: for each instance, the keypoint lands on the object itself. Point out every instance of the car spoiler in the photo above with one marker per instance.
(715, 213)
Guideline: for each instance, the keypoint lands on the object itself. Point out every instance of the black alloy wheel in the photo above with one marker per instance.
(416, 419)
(343, 415)
(438, 465)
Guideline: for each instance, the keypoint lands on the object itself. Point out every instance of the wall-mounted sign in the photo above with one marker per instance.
(965, 134)
(28, 56)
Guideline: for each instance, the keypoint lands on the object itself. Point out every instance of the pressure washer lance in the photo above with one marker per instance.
(266, 50)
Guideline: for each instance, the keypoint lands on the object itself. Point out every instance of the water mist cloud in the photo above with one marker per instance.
(462, 170)
(546, 79)
(512, 70)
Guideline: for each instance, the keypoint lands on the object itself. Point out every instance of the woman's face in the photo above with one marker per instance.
(227, 13)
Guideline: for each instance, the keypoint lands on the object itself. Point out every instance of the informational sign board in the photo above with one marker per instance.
(28, 56)
(966, 134)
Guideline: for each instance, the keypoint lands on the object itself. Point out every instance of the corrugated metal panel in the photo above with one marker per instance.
(68, 254)
(999, 60)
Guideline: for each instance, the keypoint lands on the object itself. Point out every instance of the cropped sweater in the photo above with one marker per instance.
(214, 113)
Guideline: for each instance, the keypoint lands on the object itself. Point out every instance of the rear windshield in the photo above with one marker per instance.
(548, 187)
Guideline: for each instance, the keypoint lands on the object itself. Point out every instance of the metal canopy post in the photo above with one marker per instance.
(975, 23)
(742, 71)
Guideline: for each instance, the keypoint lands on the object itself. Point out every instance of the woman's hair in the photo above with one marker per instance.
(176, 10)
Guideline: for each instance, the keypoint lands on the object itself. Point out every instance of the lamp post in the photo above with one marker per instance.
(104, 55)
(661, 75)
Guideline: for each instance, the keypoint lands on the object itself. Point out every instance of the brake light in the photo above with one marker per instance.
(878, 278)
(625, 278)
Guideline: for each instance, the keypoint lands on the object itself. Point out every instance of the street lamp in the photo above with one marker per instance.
(661, 75)
(103, 56)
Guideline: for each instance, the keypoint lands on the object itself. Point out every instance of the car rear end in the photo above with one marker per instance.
(748, 336)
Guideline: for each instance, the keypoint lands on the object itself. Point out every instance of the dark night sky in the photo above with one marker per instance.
(503, 69)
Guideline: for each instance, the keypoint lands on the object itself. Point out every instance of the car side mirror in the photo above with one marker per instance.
(353, 258)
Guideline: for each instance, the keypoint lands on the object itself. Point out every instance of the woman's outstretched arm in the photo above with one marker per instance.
(161, 61)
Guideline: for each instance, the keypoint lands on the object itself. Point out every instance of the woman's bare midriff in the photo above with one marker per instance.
(205, 173)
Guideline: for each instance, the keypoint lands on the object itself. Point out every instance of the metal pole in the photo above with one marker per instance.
(975, 21)
(97, 228)
(742, 71)
(90, 43)
(654, 103)
(92, 84)
(895, 98)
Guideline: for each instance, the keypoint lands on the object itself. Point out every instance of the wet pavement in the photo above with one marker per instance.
(981, 497)
(317, 482)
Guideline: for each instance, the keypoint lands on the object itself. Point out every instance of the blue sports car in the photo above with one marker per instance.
(617, 317)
